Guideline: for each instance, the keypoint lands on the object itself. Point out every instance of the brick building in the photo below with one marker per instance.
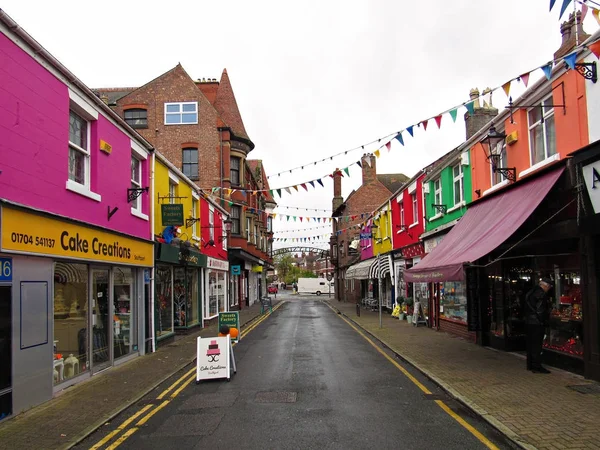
(374, 190)
(197, 126)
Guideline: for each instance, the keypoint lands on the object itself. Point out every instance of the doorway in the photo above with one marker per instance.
(5, 352)
(101, 351)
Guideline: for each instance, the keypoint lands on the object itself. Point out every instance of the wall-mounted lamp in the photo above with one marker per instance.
(134, 193)
(442, 209)
(492, 146)
(478, 192)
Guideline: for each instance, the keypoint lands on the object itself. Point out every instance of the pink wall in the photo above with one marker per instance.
(366, 245)
(217, 251)
(411, 236)
(34, 130)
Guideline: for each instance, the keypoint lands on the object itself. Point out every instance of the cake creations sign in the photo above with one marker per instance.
(214, 358)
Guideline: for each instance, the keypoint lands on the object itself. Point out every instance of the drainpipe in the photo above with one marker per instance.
(152, 273)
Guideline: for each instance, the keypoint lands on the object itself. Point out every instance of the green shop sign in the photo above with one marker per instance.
(171, 254)
(171, 214)
(232, 320)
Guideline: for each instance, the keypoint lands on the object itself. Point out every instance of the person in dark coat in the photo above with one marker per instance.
(537, 314)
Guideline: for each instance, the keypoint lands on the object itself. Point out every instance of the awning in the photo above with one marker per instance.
(359, 271)
(383, 266)
(485, 226)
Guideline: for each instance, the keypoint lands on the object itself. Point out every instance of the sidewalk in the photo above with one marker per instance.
(79, 410)
(533, 410)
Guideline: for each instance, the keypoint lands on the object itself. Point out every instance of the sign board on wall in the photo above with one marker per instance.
(218, 264)
(24, 232)
(214, 358)
(5, 270)
(171, 215)
(232, 320)
(236, 270)
(591, 175)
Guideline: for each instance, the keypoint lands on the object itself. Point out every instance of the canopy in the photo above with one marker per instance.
(485, 226)
(383, 266)
(360, 271)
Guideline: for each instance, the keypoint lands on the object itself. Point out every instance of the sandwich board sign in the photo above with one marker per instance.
(214, 358)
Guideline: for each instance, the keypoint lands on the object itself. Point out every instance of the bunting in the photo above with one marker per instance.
(524, 78)
(548, 70)
(377, 154)
(595, 47)
(470, 107)
(399, 138)
(424, 123)
(410, 131)
(570, 60)
(389, 145)
(506, 87)
(347, 171)
(453, 113)
(438, 120)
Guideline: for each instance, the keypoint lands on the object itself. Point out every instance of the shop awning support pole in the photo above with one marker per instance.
(379, 290)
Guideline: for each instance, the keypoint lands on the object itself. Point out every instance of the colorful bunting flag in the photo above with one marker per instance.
(347, 171)
(272, 194)
(376, 153)
(389, 145)
(279, 192)
(548, 70)
(312, 183)
(368, 161)
(287, 189)
(596, 14)
(399, 138)
(524, 78)
(304, 186)
(359, 164)
(552, 2)
(470, 107)
(564, 7)
(215, 189)
(453, 113)
(570, 60)
(424, 123)
(595, 47)
(288, 218)
(438, 120)
(320, 182)
(506, 87)
(295, 187)
(410, 130)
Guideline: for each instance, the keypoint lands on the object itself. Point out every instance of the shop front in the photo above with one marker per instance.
(77, 297)
(216, 287)
(178, 278)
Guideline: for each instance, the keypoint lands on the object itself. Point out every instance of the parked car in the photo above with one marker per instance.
(272, 289)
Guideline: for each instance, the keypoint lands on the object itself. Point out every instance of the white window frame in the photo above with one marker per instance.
(255, 236)
(437, 191)
(84, 151)
(172, 192)
(248, 229)
(136, 207)
(497, 177)
(211, 223)
(180, 113)
(402, 222)
(415, 207)
(223, 233)
(195, 204)
(461, 180)
(532, 127)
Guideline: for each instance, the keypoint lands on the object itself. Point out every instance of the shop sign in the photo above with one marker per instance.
(257, 269)
(232, 320)
(366, 235)
(24, 232)
(591, 175)
(172, 215)
(236, 270)
(146, 276)
(105, 147)
(172, 254)
(5, 269)
(214, 358)
(432, 243)
(219, 264)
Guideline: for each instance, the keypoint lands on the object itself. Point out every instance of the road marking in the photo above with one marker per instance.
(485, 441)
(163, 394)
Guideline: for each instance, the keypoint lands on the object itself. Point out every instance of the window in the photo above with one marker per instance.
(184, 113)
(542, 134)
(223, 233)
(437, 192)
(79, 150)
(136, 182)
(235, 219)
(500, 161)
(248, 229)
(189, 165)
(234, 171)
(415, 208)
(402, 222)
(194, 216)
(457, 173)
(136, 117)
(255, 237)
(211, 223)
(269, 224)
(172, 193)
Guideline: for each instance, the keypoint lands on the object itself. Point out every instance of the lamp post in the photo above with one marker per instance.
(379, 290)
(490, 144)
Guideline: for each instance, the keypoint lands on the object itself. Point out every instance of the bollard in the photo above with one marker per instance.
(358, 309)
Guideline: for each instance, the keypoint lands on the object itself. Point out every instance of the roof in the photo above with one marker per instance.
(227, 107)
(253, 164)
(392, 181)
(114, 94)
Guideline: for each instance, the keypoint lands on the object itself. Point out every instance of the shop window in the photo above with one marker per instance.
(123, 320)
(542, 133)
(221, 289)
(248, 229)
(191, 283)
(71, 307)
(182, 113)
(453, 300)
(213, 305)
(458, 183)
(172, 192)
(236, 212)
(179, 298)
(234, 171)
(79, 149)
(136, 117)
(164, 294)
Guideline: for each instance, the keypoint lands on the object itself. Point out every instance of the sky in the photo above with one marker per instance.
(313, 79)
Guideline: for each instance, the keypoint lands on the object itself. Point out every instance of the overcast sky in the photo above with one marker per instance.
(314, 78)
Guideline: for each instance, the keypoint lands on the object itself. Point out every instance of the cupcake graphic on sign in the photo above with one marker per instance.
(213, 351)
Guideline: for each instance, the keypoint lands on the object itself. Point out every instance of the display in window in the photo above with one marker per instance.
(179, 298)
(453, 301)
(212, 294)
(164, 294)
(122, 319)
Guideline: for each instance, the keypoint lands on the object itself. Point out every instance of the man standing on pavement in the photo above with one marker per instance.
(537, 313)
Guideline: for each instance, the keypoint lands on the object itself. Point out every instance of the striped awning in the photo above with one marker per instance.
(381, 269)
(359, 271)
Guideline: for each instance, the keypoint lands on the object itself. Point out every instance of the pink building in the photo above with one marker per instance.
(76, 246)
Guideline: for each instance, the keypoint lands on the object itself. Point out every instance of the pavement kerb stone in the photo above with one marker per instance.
(515, 438)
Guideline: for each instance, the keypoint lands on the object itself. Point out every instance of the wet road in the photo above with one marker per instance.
(305, 380)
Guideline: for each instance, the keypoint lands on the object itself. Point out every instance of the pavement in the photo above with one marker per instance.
(533, 410)
(76, 412)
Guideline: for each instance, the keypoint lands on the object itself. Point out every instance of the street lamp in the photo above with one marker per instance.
(492, 146)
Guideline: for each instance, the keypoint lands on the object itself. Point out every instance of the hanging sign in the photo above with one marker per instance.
(171, 214)
(214, 358)
(236, 270)
(232, 320)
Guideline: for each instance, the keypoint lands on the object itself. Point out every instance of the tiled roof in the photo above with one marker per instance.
(253, 164)
(392, 181)
(114, 94)
(227, 107)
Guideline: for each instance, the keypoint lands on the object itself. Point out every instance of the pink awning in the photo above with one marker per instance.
(485, 226)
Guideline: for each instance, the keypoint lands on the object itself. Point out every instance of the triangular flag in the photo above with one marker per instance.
(564, 7)
(425, 122)
(410, 130)
(470, 107)
(320, 182)
(215, 189)
(359, 164)
(279, 192)
(453, 113)
(304, 186)
(548, 70)
(294, 218)
(288, 218)
(584, 11)
(287, 189)
(438, 120)
(399, 137)
(312, 183)
(376, 153)
(271, 193)
(295, 187)
(230, 203)
(596, 14)
(368, 161)
(300, 218)
(347, 171)
(595, 48)
(525, 78)
(389, 145)
(552, 2)
(506, 87)
(570, 60)
(273, 215)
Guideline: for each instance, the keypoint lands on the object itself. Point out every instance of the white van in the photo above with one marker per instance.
(315, 286)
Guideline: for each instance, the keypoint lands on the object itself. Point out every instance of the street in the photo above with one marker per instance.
(305, 379)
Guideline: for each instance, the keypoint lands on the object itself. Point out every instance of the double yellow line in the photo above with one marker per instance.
(485, 441)
(171, 392)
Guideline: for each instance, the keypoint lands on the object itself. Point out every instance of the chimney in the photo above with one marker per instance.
(369, 171)
(337, 190)
(104, 98)
(481, 114)
(572, 35)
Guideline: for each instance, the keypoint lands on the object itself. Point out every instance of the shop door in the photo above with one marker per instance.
(101, 315)
(5, 352)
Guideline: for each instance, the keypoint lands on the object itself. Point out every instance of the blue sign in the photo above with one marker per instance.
(146, 275)
(5, 269)
(366, 235)
(236, 270)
